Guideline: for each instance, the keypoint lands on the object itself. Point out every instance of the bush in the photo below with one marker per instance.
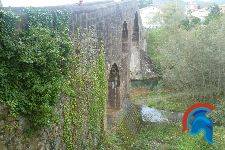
(34, 62)
(218, 114)
(194, 60)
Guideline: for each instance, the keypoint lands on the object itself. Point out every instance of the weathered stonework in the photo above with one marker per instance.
(13, 138)
(125, 56)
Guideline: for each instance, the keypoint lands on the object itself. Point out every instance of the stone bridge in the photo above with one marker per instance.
(119, 25)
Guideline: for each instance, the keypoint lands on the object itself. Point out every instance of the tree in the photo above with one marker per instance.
(194, 60)
(188, 56)
(189, 23)
(215, 13)
(195, 21)
(170, 20)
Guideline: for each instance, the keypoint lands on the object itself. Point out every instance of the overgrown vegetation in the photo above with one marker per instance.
(170, 137)
(175, 101)
(34, 63)
(190, 60)
(85, 112)
(188, 54)
(41, 63)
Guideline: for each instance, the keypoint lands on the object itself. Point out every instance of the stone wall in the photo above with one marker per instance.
(141, 66)
(126, 52)
(12, 135)
(123, 42)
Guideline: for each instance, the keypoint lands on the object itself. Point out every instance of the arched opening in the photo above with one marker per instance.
(125, 37)
(135, 35)
(135, 60)
(113, 88)
(125, 31)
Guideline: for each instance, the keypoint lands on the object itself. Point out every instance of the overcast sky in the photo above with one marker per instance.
(18, 3)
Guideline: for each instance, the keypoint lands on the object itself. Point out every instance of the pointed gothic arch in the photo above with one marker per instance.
(113, 87)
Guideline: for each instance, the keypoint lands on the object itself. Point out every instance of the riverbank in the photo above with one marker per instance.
(168, 135)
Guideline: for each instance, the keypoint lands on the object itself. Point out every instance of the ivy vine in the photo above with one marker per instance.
(85, 112)
(39, 61)
(34, 62)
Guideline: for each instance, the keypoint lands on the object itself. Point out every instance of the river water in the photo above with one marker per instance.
(149, 114)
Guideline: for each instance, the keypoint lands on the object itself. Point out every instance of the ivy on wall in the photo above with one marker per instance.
(33, 63)
(39, 61)
(97, 103)
(86, 108)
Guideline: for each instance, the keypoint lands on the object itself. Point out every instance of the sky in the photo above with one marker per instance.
(38, 3)
(201, 0)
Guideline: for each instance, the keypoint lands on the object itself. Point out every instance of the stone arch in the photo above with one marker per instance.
(135, 60)
(125, 37)
(114, 87)
(125, 31)
(135, 35)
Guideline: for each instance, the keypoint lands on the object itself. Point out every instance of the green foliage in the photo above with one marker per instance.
(190, 59)
(172, 15)
(144, 83)
(155, 38)
(98, 101)
(112, 141)
(38, 63)
(189, 56)
(189, 23)
(155, 135)
(169, 136)
(195, 21)
(218, 114)
(193, 60)
(33, 63)
(171, 19)
(176, 101)
(198, 142)
(214, 14)
(127, 127)
(85, 110)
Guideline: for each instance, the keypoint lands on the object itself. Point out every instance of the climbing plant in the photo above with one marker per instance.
(84, 113)
(98, 101)
(40, 61)
(34, 61)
